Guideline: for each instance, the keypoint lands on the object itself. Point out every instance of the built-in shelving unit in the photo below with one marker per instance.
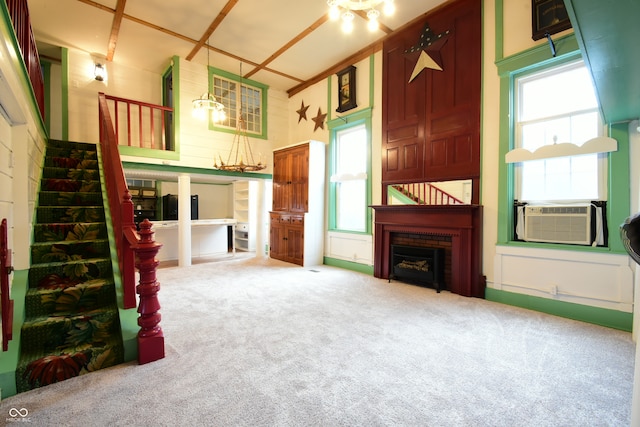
(244, 212)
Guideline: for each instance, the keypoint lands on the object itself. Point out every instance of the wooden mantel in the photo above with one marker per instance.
(463, 223)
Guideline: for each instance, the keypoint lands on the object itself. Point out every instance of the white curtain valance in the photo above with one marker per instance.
(601, 144)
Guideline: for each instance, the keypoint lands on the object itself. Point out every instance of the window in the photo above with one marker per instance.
(252, 99)
(555, 106)
(349, 178)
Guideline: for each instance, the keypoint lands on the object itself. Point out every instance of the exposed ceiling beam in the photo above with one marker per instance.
(216, 22)
(292, 42)
(115, 29)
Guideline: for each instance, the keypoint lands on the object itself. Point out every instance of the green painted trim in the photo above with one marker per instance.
(9, 359)
(584, 313)
(176, 105)
(128, 317)
(539, 56)
(46, 76)
(192, 170)
(148, 152)
(65, 93)
(499, 29)
(248, 82)
(618, 206)
(349, 265)
(357, 118)
(8, 32)
(619, 185)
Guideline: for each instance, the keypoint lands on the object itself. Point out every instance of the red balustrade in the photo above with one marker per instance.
(19, 13)
(425, 193)
(139, 124)
(5, 270)
(131, 245)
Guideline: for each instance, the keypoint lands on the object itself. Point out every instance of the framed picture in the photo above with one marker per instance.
(346, 89)
(548, 17)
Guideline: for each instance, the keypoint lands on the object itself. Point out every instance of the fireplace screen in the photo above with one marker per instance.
(419, 265)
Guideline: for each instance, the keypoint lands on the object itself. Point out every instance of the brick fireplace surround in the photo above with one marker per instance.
(462, 223)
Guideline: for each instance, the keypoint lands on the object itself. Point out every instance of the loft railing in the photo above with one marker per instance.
(425, 193)
(133, 250)
(19, 13)
(140, 124)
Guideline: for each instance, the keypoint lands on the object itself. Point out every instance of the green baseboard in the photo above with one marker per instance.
(600, 316)
(349, 265)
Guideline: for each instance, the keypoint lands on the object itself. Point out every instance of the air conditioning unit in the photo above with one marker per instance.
(558, 224)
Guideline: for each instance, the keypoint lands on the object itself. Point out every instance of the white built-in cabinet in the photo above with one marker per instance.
(245, 213)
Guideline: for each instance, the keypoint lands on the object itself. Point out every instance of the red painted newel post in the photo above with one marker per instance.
(150, 336)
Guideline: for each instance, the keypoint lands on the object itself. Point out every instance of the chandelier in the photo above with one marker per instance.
(343, 9)
(207, 104)
(240, 157)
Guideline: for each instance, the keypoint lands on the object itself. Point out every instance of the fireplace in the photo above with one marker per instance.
(460, 225)
(419, 265)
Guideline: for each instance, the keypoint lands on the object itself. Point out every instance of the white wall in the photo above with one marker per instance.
(214, 200)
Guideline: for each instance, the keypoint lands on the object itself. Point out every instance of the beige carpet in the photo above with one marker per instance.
(255, 342)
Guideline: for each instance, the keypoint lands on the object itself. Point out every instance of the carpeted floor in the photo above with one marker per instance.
(252, 341)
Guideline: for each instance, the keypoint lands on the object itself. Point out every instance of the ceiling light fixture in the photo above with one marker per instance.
(207, 104)
(240, 147)
(343, 9)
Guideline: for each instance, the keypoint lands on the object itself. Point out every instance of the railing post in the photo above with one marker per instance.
(150, 336)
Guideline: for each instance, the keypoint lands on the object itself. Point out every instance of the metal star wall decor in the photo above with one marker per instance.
(319, 120)
(302, 112)
(429, 47)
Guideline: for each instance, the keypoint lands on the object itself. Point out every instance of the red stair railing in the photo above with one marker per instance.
(19, 13)
(425, 193)
(139, 124)
(5, 271)
(133, 250)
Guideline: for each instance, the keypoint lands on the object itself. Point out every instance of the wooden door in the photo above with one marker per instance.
(277, 241)
(281, 180)
(295, 244)
(299, 188)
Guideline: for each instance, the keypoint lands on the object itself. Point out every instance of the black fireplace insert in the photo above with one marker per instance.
(418, 265)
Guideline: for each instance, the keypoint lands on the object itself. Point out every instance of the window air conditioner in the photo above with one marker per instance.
(558, 224)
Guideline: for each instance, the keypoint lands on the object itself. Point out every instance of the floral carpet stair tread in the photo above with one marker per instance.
(72, 324)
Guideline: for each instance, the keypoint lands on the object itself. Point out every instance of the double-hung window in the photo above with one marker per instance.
(555, 106)
(349, 178)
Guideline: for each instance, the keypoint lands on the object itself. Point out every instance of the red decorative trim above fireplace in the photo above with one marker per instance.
(462, 222)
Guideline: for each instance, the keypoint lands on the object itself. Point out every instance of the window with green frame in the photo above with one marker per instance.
(236, 94)
(350, 172)
(511, 71)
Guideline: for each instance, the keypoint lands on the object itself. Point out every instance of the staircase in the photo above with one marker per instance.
(71, 323)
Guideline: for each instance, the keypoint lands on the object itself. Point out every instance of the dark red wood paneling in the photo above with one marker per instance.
(431, 126)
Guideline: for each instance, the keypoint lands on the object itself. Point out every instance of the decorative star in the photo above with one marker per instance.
(429, 47)
(319, 120)
(302, 112)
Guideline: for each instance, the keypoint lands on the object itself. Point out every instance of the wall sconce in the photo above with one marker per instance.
(99, 72)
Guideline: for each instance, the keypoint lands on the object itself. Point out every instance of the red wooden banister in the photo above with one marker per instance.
(148, 129)
(130, 245)
(425, 193)
(19, 13)
(5, 271)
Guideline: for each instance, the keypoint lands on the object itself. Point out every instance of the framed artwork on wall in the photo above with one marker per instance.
(548, 17)
(346, 89)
